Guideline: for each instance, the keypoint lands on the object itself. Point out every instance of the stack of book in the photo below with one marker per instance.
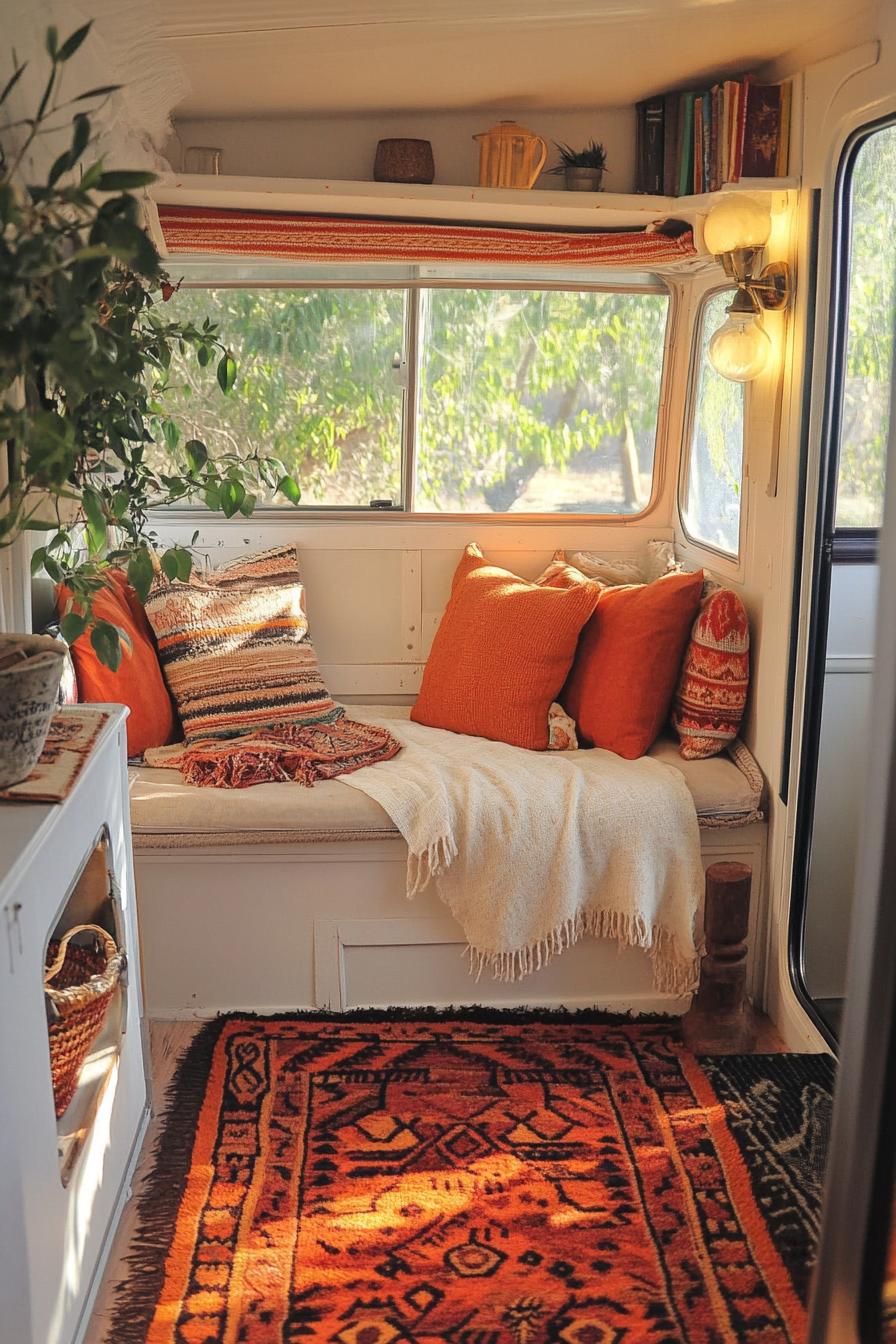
(697, 141)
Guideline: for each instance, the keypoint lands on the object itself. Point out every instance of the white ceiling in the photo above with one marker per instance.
(301, 57)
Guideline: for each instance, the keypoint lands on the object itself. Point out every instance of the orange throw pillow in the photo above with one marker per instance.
(629, 659)
(138, 683)
(501, 654)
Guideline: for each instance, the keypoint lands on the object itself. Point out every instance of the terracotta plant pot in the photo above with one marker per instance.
(404, 161)
(29, 691)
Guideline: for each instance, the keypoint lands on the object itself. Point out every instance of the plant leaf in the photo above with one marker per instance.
(197, 454)
(124, 181)
(226, 373)
(72, 627)
(170, 567)
(51, 41)
(141, 574)
(101, 92)
(80, 136)
(71, 44)
(290, 489)
(11, 83)
(184, 564)
(93, 508)
(105, 640)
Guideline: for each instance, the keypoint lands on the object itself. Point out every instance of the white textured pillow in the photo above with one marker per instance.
(659, 560)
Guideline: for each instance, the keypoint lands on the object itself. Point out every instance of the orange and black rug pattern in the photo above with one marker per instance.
(512, 1179)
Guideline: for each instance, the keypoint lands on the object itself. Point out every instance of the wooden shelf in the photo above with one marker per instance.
(453, 204)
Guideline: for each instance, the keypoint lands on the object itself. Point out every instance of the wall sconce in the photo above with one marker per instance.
(736, 231)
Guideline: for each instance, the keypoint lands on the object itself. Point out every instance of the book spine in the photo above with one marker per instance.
(686, 177)
(762, 130)
(732, 116)
(707, 137)
(671, 145)
(782, 163)
(697, 184)
(650, 160)
(746, 82)
(716, 138)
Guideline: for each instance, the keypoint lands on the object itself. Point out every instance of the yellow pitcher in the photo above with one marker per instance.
(507, 156)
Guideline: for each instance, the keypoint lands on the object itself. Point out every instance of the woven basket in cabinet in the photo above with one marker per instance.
(83, 982)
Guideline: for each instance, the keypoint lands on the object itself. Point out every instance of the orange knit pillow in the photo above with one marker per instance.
(501, 654)
(138, 683)
(627, 665)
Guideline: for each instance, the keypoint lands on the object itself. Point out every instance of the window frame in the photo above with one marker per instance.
(413, 284)
(731, 558)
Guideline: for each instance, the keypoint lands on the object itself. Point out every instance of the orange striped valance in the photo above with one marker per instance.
(327, 238)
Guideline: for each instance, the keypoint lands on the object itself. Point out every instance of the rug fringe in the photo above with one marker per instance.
(160, 1197)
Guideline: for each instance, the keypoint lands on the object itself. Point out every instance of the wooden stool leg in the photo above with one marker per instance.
(720, 1019)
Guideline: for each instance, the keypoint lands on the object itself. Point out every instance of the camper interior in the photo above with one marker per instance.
(671, 391)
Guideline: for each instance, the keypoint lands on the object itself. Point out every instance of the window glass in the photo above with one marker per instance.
(711, 506)
(538, 402)
(869, 349)
(317, 385)
(525, 400)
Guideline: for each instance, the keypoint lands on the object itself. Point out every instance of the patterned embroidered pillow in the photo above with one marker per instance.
(235, 649)
(712, 689)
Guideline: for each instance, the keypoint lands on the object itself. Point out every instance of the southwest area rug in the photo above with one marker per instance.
(478, 1179)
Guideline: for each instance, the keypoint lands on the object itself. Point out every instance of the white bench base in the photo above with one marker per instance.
(273, 928)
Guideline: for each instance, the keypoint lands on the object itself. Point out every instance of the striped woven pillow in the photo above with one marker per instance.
(235, 649)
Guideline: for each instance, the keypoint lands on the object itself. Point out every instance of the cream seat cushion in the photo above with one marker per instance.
(724, 793)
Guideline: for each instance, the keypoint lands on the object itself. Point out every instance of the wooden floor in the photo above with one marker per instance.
(168, 1041)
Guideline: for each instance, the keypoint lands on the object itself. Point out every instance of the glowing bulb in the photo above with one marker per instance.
(736, 222)
(741, 348)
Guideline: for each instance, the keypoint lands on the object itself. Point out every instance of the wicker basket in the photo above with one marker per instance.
(85, 980)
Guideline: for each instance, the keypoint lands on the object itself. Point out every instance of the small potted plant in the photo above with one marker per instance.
(583, 168)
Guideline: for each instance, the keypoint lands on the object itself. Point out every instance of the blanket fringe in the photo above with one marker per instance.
(423, 867)
(673, 973)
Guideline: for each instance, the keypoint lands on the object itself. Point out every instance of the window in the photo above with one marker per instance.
(712, 488)
(869, 340)
(454, 397)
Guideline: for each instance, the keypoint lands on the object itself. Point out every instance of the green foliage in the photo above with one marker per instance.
(510, 382)
(84, 359)
(592, 156)
(869, 356)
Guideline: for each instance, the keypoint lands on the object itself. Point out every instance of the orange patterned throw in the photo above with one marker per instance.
(712, 690)
(332, 238)
(546, 1179)
(237, 657)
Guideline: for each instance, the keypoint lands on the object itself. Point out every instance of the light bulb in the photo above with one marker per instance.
(741, 348)
(736, 222)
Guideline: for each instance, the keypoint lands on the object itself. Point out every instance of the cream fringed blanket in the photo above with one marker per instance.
(529, 850)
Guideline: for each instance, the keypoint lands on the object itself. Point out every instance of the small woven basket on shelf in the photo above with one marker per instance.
(85, 980)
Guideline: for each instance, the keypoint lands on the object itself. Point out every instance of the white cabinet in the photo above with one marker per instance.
(62, 1183)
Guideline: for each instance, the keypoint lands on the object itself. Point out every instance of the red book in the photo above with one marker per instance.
(762, 130)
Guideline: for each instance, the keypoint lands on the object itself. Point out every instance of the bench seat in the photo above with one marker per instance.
(278, 897)
(168, 814)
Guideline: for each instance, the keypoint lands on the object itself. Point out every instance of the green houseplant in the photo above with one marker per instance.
(85, 359)
(583, 169)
